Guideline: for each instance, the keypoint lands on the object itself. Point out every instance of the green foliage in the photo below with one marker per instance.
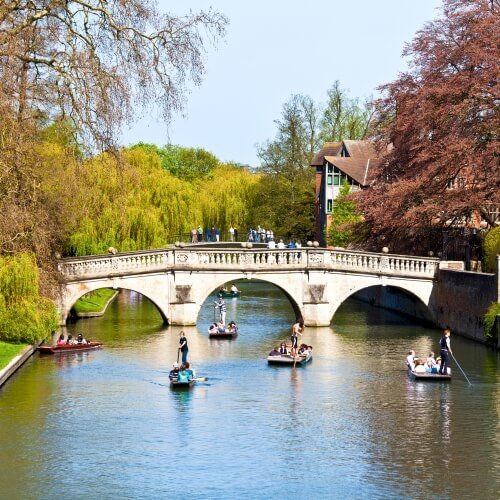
(285, 199)
(344, 117)
(190, 164)
(24, 315)
(94, 301)
(491, 249)
(140, 205)
(489, 320)
(345, 217)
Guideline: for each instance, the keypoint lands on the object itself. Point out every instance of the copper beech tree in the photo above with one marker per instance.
(441, 122)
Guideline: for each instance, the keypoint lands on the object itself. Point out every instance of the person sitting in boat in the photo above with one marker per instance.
(189, 371)
(303, 349)
(275, 352)
(234, 289)
(223, 289)
(231, 326)
(213, 328)
(70, 340)
(410, 360)
(283, 349)
(419, 366)
(183, 375)
(80, 339)
(430, 364)
(174, 373)
(221, 328)
(60, 340)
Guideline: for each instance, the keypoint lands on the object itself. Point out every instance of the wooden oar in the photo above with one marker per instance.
(201, 379)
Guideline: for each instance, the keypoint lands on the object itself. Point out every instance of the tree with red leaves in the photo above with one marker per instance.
(441, 122)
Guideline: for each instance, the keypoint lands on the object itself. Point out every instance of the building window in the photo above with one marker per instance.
(330, 168)
(330, 180)
(329, 205)
(336, 180)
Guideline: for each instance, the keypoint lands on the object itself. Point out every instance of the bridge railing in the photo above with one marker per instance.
(245, 260)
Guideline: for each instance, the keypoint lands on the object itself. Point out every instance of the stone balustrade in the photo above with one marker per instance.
(245, 260)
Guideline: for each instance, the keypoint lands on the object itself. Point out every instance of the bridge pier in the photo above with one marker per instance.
(316, 314)
(183, 314)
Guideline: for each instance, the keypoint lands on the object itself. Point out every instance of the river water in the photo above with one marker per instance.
(105, 424)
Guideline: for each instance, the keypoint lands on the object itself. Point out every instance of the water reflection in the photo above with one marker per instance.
(351, 420)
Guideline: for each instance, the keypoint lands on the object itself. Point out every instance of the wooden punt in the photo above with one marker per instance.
(182, 385)
(224, 335)
(286, 359)
(429, 376)
(229, 294)
(55, 349)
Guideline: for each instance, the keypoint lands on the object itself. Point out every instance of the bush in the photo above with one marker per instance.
(491, 249)
(489, 320)
(25, 316)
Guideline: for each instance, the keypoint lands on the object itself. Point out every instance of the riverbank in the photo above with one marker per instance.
(95, 303)
(12, 357)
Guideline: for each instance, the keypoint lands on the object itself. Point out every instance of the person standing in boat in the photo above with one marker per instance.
(296, 331)
(221, 305)
(444, 343)
(183, 347)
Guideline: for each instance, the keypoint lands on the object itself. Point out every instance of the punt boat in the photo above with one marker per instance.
(287, 359)
(228, 334)
(428, 376)
(55, 349)
(229, 294)
(175, 384)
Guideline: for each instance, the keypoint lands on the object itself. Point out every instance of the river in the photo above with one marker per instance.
(105, 424)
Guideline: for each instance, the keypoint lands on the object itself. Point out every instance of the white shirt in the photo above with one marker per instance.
(271, 244)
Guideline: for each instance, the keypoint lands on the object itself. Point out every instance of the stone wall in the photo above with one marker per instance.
(462, 298)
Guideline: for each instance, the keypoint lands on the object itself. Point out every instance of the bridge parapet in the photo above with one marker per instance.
(246, 260)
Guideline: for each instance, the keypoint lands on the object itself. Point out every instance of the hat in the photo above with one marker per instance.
(176, 365)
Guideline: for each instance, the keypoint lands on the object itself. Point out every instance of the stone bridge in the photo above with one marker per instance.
(315, 280)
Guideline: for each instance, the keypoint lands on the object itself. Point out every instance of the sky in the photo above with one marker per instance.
(277, 48)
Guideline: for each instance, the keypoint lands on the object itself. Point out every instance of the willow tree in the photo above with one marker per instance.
(88, 65)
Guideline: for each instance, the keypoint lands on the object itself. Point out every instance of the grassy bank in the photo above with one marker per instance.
(8, 352)
(94, 302)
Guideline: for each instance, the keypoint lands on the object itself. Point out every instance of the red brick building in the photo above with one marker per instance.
(335, 163)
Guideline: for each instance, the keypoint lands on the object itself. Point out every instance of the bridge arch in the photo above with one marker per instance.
(73, 293)
(216, 281)
(378, 293)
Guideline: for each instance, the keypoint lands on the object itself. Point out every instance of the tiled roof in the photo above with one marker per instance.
(360, 149)
(359, 169)
(329, 149)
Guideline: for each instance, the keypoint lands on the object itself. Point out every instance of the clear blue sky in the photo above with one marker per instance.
(276, 48)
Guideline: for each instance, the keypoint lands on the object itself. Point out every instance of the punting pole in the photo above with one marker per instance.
(461, 369)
